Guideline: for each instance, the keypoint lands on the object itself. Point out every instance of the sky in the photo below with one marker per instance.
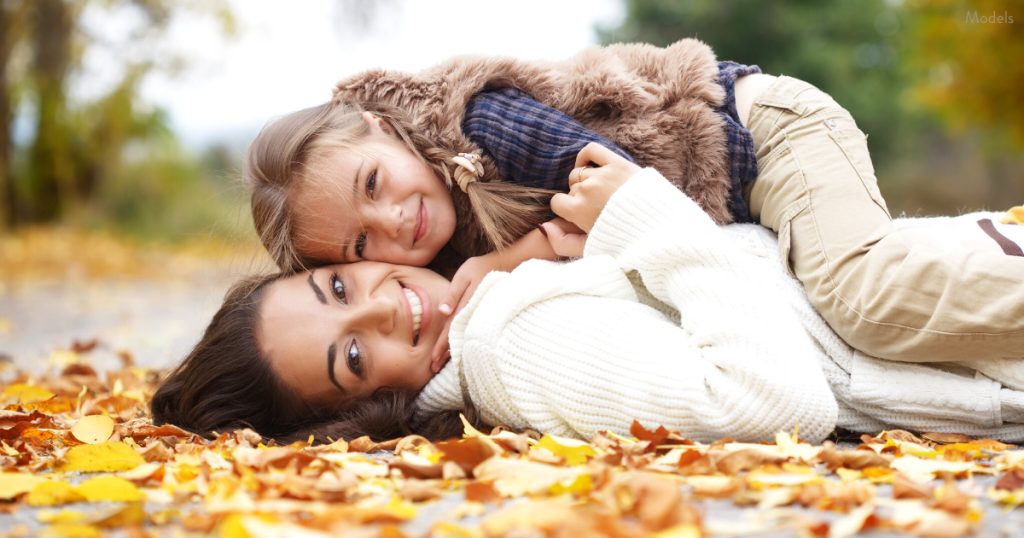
(287, 56)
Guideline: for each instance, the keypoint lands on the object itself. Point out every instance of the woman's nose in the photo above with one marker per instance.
(378, 313)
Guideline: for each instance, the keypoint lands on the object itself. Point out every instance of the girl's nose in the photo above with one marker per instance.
(389, 220)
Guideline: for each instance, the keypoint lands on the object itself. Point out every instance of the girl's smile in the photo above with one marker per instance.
(379, 203)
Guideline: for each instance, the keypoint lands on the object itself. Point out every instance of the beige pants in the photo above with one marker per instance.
(816, 188)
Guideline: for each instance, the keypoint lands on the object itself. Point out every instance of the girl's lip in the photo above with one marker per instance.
(428, 310)
(421, 223)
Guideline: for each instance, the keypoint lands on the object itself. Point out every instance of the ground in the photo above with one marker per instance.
(80, 457)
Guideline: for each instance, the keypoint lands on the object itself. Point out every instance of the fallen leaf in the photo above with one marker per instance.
(26, 394)
(746, 459)
(946, 438)
(1013, 479)
(574, 451)
(14, 484)
(105, 456)
(53, 493)
(93, 429)
(110, 488)
(851, 459)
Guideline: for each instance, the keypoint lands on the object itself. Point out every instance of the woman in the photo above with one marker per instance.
(702, 332)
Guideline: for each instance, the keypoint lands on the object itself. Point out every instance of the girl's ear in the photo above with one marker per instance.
(378, 124)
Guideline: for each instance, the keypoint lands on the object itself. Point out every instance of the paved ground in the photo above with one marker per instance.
(158, 320)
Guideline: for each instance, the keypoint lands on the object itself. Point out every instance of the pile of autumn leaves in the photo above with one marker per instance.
(80, 454)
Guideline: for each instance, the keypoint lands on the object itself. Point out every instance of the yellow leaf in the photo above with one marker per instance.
(1014, 216)
(62, 358)
(575, 452)
(70, 530)
(93, 429)
(51, 517)
(470, 430)
(119, 516)
(580, 486)
(110, 488)
(684, 530)
(102, 457)
(27, 394)
(801, 451)
(231, 527)
(14, 484)
(52, 493)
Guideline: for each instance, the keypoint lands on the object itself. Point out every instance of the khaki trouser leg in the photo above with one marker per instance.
(816, 188)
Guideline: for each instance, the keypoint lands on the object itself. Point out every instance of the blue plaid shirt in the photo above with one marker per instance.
(536, 146)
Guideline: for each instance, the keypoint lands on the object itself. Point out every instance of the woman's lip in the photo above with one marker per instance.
(428, 309)
(421, 223)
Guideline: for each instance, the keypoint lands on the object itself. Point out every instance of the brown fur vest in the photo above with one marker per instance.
(654, 103)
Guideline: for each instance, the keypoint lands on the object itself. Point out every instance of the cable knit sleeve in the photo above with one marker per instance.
(571, 350)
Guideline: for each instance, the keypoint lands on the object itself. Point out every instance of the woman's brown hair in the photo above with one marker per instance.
(226, 383)
(281, 155)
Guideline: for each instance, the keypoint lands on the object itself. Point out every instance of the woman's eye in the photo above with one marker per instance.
(371, 183)
(360, 244)
(355, 362)
(338, 289)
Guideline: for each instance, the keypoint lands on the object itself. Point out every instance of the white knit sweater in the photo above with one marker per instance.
(665, 320)
(670, 320)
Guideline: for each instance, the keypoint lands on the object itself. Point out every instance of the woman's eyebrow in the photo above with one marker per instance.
(316, 289)
(332, 354)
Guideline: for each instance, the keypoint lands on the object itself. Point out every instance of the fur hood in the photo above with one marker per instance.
(655, 103)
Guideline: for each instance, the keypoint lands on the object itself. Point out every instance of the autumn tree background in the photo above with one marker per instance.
(108, 160)
(939, 96)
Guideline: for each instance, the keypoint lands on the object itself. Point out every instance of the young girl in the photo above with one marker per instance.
(801, 169)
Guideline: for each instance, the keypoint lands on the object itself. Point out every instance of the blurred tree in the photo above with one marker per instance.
(966, 58)
(848, 48)
(76, 143)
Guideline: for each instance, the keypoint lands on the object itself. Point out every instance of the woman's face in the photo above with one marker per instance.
(381, 203)
(340, 332)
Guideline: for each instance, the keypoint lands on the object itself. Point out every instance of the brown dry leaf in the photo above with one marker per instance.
(946, 438)
(656, 501)
(420, 490)
(468, 453)
(93, 429)
(747, 459)
(483, 491)
(1012, 480)
(904, 488)
(364, 444)
(851, 459)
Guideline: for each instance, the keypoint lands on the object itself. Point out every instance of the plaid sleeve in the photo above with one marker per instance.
(742, 157)
(532, 145)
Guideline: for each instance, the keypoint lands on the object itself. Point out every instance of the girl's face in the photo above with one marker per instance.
(382, 203)
(340, 332)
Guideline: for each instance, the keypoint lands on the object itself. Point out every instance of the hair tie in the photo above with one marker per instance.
(469, 168)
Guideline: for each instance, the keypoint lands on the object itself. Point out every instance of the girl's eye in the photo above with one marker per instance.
(360, 244)
(338, 289)
(355, 362)
(371, 183)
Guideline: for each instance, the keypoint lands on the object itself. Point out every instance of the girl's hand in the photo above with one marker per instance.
(566, 238)
(591, 188)
(464, 283)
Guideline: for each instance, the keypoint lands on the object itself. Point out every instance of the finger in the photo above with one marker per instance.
(597, 153)
(452, 295)
(565, 244)
(441, 349)
(576, 176)
(564, 206)
(566, 226)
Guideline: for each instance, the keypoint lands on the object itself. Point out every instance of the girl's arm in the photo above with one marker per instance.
(467, 278)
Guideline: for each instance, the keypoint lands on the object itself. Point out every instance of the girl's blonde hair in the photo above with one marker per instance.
(285, 148)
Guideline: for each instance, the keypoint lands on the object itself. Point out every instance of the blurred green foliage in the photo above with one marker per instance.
(110, 161)
(938, 95)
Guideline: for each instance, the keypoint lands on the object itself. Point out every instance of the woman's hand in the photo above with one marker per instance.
(565, 238)
(464, 283)
(591, 188)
